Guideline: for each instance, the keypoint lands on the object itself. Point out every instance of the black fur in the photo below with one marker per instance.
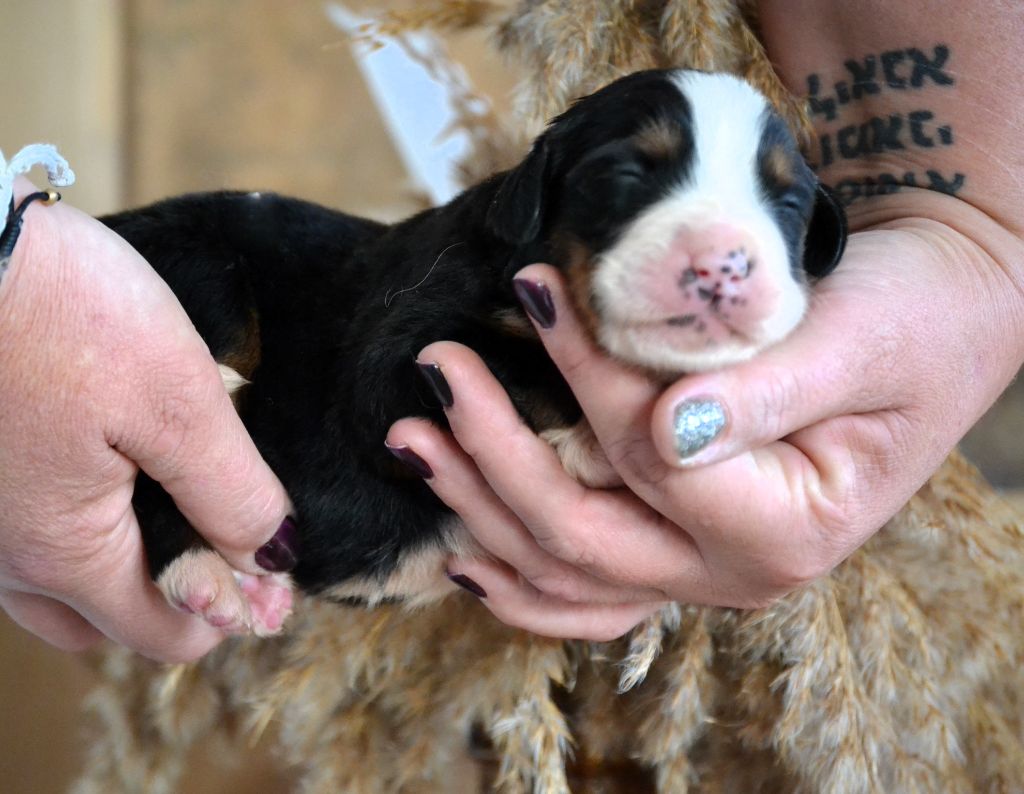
(341, 306)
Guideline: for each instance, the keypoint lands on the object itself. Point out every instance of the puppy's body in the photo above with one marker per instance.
(324, 314)
(675, 203)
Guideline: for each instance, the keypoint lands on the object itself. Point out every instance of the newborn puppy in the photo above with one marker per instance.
(675, 203)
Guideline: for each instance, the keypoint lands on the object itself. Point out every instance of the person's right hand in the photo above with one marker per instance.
(102, 373)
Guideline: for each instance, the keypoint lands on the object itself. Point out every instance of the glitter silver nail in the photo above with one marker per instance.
(697, 424)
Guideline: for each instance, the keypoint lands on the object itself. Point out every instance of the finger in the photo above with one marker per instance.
(601, 384)
(124, 604)
(723, 508)
(190, 439)
(517, 603)
(610, 534)
(457, 481)
(616, 399)
(50, 620)
(827, 368)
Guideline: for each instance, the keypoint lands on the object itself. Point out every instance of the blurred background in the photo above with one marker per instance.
(148, 98)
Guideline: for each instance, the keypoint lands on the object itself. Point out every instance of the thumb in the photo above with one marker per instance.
(193, 443)
(815, 374)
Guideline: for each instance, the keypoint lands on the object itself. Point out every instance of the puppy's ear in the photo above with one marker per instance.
(516, 214)
(826, 235)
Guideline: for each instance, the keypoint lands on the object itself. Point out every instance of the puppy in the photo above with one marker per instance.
(675, 202)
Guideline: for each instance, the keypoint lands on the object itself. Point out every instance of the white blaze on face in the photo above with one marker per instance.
(702, 278)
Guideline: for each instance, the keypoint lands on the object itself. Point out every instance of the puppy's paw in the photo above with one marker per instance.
(582, 456)
(202, 583)
(270, 601)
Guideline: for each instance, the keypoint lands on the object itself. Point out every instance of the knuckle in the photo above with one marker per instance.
(780, 391)
(637, 456)
(178, 398)
(572, 360)
(784, 576)
(569, 545)
(169, 424)
(561, 585)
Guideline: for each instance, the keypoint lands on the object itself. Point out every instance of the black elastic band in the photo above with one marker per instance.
(11, 233)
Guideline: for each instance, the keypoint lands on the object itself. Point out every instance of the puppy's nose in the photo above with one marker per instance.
(717, 274)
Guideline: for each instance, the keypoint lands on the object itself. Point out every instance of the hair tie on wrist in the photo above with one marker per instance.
(57, 170)
(13, 229)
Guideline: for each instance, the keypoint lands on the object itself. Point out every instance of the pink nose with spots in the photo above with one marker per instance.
(717, 281)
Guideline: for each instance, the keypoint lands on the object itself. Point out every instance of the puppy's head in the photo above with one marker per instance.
(683, 215)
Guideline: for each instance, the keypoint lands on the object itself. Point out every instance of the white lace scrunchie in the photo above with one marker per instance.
(57, 171)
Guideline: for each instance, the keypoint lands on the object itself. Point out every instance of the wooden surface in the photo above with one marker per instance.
(62, 82)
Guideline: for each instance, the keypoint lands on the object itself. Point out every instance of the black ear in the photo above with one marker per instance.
(826, 235)
(516, 214)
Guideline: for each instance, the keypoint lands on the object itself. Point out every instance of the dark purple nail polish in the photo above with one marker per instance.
(432, 374)
(411, 459)
(468, 584)
(536, 299)
(277, 555)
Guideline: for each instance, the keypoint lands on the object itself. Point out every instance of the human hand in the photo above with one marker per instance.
(101, 373)
(827, 435)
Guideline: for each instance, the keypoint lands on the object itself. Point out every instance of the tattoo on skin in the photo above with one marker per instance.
(905, 71)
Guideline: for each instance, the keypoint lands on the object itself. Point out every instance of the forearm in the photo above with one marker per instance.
(919, 94)
(919, 112)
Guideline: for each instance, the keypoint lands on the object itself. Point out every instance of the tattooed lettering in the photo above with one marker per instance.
(929, 67)
(883, 134)
(864, 76)
(900, 70)
(819, 106)
(849, 190)
(903, 70)
(891, 62)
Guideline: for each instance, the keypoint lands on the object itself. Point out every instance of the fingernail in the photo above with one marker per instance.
(277, 555)
(411, 459)
(536, 299)
(467, 584)
(443, 392)
(697, 423)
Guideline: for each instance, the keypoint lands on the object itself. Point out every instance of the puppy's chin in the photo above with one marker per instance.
(687, 344)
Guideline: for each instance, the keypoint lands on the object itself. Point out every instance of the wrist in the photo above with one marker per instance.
(970, 270)
(912, 96)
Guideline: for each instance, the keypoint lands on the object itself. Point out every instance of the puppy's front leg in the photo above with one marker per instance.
(582, 456)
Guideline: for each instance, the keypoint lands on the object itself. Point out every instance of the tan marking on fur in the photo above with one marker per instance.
(420, 576)
(579, 276)
(513, 322)
(245, 357)
(779, 165)
(582, 456)
(659, 139)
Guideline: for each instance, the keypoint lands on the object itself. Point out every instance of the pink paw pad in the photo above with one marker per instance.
(270, 601)
(201, 583)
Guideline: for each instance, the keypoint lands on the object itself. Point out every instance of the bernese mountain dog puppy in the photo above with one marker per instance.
(677, 205)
